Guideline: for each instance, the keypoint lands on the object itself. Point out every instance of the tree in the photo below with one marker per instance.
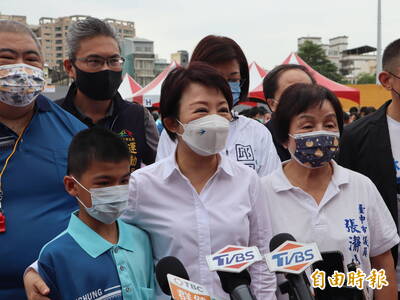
(365, 78)
(315, 56)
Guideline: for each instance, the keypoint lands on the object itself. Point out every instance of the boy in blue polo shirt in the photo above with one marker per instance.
(98, 256)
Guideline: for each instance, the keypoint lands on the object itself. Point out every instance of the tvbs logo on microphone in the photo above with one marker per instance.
(292, 257)
(233, 259)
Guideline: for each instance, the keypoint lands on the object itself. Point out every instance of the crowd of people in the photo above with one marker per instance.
(93, 193)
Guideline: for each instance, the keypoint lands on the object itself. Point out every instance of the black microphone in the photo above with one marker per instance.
(333, 261)
(296, 281)
(169, 265)
(236, 285)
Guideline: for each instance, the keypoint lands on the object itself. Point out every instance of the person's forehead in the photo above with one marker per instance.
(294, 76)
(98, 45)
(231, 67)
(319, 110)
(196, 93)
(19, 42)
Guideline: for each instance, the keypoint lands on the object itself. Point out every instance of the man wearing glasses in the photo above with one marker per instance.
(95, 64)
(371, 145)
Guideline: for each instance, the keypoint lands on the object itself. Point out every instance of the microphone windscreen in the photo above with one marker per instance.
(169, 265)
(229, 281)
(279, 239)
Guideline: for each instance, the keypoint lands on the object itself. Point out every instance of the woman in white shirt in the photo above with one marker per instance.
(196, 201)
(249, 142)
(315, 200)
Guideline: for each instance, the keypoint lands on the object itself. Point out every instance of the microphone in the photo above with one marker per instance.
(236, 285)
(333, 261)
(169, 265)
(296, 281)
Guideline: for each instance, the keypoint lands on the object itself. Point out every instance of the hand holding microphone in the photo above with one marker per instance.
(291, 259)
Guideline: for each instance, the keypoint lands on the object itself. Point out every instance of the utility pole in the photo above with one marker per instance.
(379, 44)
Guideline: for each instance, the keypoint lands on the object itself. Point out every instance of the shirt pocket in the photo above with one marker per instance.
(146, 293)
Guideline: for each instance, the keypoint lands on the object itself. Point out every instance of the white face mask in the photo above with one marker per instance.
(108, 203)
(20, 84)
(207, 135)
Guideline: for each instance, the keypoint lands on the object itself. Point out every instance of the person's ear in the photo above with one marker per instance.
(172, 125)
(70, 186)
(69, 68)
(385, 79)
(270, 103)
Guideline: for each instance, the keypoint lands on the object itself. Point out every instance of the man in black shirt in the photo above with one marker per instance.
(95, 64)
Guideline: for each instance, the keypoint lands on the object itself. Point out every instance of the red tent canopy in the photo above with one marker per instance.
(256, 74)
(128, 87)
(340, 90)
(150, 94)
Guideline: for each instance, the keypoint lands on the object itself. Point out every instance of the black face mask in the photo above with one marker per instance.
(99, 86)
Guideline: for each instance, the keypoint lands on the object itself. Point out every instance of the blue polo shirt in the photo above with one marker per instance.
(35, 203)
(80, 265)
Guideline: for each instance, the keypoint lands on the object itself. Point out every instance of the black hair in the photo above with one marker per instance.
(346, 116)
(180, 78)
(214, 50)
(298, 98)
(95, 144)
(391, 56)
(353, 109)
(270, 82)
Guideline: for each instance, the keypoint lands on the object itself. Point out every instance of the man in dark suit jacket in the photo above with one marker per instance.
(371, 145)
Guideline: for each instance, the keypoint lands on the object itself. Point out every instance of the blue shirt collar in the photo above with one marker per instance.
(94, 244)
(42, 104)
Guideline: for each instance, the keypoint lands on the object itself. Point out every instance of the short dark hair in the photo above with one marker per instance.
(353, 109)
(179, 79)
(297, 99)
(270, 82)
(220, 49)
(85, 29)
(95, 144)
(391, 56)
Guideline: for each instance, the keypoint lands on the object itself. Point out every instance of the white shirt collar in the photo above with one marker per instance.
(171, 166)
(281, 183)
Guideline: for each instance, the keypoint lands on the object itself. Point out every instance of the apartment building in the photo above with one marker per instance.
(53, 31)
(18, 18)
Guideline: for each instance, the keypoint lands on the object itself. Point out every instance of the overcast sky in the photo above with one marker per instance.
(267, 30)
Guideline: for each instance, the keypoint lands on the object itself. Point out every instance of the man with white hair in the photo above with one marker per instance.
(34, 137)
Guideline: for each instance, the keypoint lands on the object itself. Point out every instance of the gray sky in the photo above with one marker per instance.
(266, 30)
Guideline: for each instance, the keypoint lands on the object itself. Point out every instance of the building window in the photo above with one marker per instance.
(58, 41)
(58, 35)
(59, 48)
(58, 28)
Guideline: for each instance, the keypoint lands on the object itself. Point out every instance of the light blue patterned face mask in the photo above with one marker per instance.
(235, 89)
(20, 84)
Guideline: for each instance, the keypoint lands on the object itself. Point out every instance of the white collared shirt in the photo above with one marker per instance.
(351, 217)
(249, 142)
(230, 210)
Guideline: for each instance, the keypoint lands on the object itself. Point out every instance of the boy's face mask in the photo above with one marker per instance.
(108, 203)
(20, 84)
(315, 149)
